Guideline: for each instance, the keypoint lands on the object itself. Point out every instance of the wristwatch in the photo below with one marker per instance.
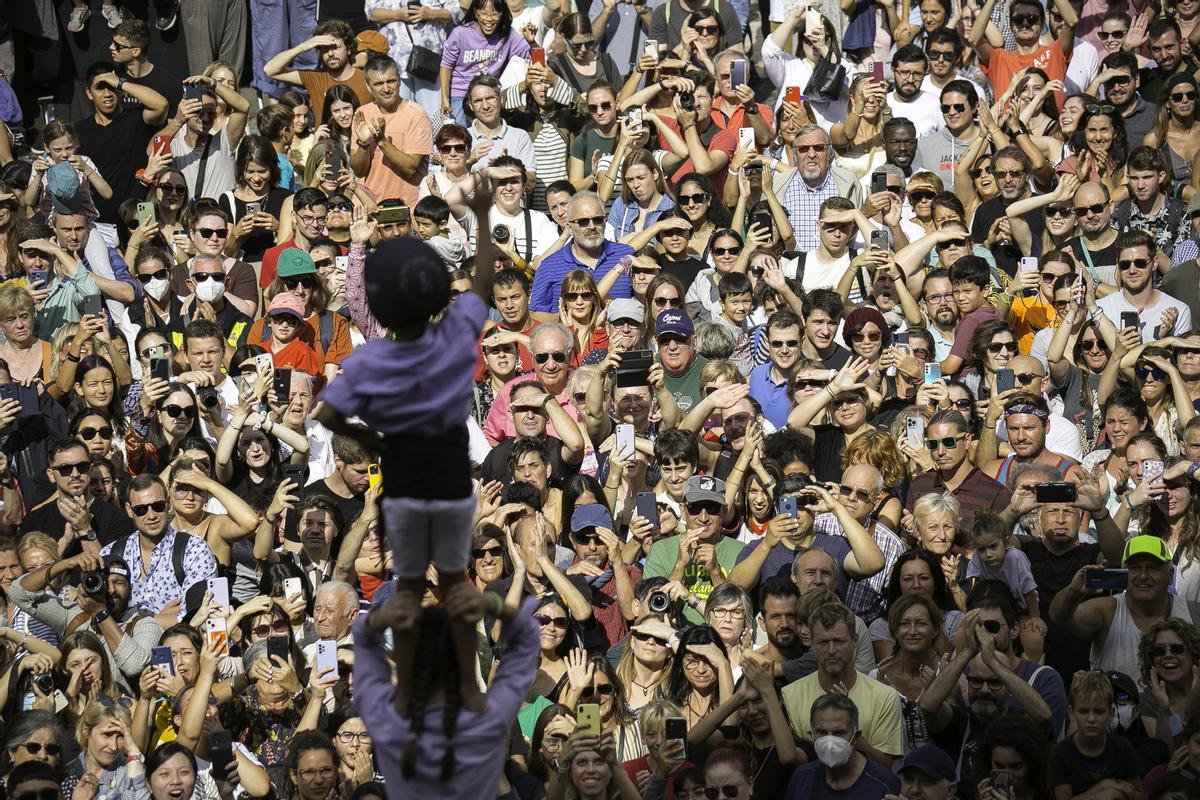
(99, 617)
(88, 536)
(751, 108)
(120, 85)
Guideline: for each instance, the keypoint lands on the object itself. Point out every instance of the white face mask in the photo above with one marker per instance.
(157, 288)
(833, 751)
(210, 291)
(1124, 717)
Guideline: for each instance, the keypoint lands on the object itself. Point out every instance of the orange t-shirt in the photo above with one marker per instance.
(297, 355)
(318, 81)
(409, 131)
(1030, 315)
(1003, 65)
(340, 344)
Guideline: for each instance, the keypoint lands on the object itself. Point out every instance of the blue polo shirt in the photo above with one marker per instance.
(547, 281)
(772, 396)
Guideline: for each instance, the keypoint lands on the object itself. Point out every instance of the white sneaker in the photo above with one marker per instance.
(113, 15)
(166, 18)
(79, 17)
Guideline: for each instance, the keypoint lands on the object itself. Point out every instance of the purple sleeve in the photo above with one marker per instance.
(518, 665)
(373, 685)
(1018, 573)
(357, 297)
(340, 394)
(517, 46)
(460, 329)
(451, 49)
(973, 570)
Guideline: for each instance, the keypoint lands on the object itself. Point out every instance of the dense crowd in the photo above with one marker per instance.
(638, 399)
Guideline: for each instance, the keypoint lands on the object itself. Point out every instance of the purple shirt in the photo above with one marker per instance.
(481, 737)
(419, 387)
(1014, 571)
(468, 53)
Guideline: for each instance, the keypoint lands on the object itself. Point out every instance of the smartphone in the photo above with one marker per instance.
(881, 239)
(587, 715)
(675, 728)
(625, 439)
(219, 588)
(1116, 580)
(877, 71)
(737, 72)
(48, 113)
(1055, 492)
(1001, 781)
(217, 633)
(277, 646)
(10, 391)
(647, 508)
(1028, 264)
(745, 138)
(1005, 379)
(326, 657)
(37, 276)
(392, 215)
(915, 430)
(145, 214)
(1151, 468)
(900, 339)
(161, 143)
(296, 473)
(763, 220)
(787, 506)
(193, 91)
(933, 372)
(812, 18)
(1129, 319)
(161, 657)
(333, 160)
(263, 362)
(341, 263)
(160, 368)
(637, 119)
(878, 183)
(282, 384)
(792, 95)
(93, 305)
(373, 476)
(292, 587)
(537, 55)
(221, 744)
(651, 48)
(253, 208)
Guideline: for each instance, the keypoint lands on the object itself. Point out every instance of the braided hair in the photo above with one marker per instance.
(435, 665)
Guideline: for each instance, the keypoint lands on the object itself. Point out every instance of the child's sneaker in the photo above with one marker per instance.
(79, 17)
(113, 15)
(168, 13)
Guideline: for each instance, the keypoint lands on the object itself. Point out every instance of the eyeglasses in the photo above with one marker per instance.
(940, 55)
(1183, 97)
(966, 403)
(979, 171)
(201, 277)
(557, 622)
(1059, 211)
(89, 433)
(1160, 650)
(589, 222)
(572, 297)
(957, 108)
(33, 748)
(994, 684)
(1106, 35)
(948, 442)
(115, 45)
(920, 353)
(996, 347)
(1094, 208)
(211, 233)
(601, 689)
(846, 400)
(693, 199)
(175, 411)
(704, 506)
(339, 205)
(645, 637)
(726, 251)
(777, 343)
(728, 790)
(1131, 263)
(346, 737)
(78, 467)
(584, 45)
(1144, 372)
(153, 276)
(1008, 173)
(728, 613)
(1050, 277)
(667, 302)
(801, 149)
(866, 336)
(585, 539)
(142, 509)
(1025, 20)
(316, 772)
(707, 30)
(173, 188)
(264, 630)
(605, 106)
(495, 551)
(920, 196)
(861, 495)
(558, 356)
(307, 281)
(310, 220)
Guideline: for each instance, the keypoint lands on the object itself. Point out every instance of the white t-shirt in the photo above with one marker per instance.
(1115, 304)
(545, 232)
(820, 273)
(924, 111)
(1061, 438)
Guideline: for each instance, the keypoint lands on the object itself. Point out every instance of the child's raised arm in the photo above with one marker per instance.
(486, 252)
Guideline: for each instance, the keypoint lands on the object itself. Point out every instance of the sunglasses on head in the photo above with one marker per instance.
(142, 509)
(557, 622)
(558, 356)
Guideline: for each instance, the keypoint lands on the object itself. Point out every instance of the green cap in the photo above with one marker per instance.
(1146, 545)
(294, 261)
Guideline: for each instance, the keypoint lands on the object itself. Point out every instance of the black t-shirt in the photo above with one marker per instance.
(685, 270)
(109, 522)
(1066, 653)
(350, 508)
(1006, 254)
(119, 151)
(257, 243)
(349, 11)
(228, 318)
(1099, 258)
(1069, 767)
(837, 359)
(827, 453)
(495, 463)
(161, 80)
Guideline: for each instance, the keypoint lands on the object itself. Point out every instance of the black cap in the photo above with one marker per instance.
(1122, 684)
(406, 282)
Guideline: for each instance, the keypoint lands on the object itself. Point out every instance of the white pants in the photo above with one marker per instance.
(424, 531)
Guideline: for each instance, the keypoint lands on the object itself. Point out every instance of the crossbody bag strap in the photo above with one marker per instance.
(203, 167)
(528, 237)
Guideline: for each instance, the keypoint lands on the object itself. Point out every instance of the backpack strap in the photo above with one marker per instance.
(77, 622)
(325, 324)
(177, 553)
(266, 330)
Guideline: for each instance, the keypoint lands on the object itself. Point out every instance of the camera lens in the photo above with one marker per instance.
(991, 626)
(44, 682)
(500, 233)
(658, 602)
(92, 583)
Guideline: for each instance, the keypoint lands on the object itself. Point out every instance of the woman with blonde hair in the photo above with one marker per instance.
(645, 664)
(922, 187)
(861, 135)
(109, 757)
(580, 305)
(879, 449)
(222, 73)
(935, 527)
(27, 356)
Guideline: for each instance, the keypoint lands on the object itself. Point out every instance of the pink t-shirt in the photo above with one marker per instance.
(409, 131)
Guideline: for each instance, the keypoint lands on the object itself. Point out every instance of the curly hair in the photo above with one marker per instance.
(1184, 630)
(1012, 733)
(880, 451)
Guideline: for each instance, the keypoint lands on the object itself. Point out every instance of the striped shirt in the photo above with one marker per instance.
(803, 205)
(866, 597)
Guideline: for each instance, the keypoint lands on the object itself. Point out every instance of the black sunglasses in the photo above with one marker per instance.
(541, 358)
(79, 468)
(89, 433)
(144, 279)
(142, 509)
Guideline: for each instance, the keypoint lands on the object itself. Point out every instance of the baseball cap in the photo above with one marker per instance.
(704, 487)
(293, 261)
(1122, 685)
(286, 303)
(930, 761)
(673, 321)
(62, 183)
(1146, 545)
(590, 515)
(626, 308)
(118, 567)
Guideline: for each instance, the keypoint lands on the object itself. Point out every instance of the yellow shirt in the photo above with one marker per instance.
(878, 710)
(1028, 316)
